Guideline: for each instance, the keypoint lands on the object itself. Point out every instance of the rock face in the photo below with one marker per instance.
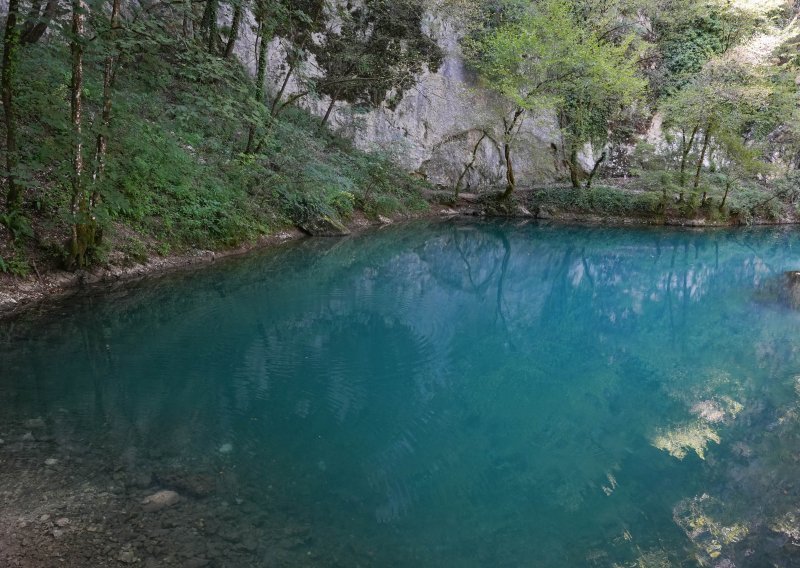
(446, 117)
(438, 125)
(324, 226)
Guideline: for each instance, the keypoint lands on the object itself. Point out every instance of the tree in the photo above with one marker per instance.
(591, 103)
(11, 43)
(374, 52)
(38, 20)
(109, 72)
(262, 41)
(82, 225)
(537, 56)
(295, 23)
(720, 111)
(208, 26)
(16, 36)
(236, 23)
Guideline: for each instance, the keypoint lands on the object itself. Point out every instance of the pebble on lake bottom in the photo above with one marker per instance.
(160, 500)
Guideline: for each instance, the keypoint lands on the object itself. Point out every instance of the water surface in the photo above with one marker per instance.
(454, 394)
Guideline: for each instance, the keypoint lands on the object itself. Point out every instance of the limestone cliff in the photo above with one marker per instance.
(448, 128)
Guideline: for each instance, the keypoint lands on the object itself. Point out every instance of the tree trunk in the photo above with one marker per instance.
(208, 25)
(725, 197)
(508, 135)
(468, 166)
(574, 174)
(260, 76)
(82, 231)
(687, 148)
(37, 23)
(105, 124)
(328, 112)
(511, 182)
(188, 20)
(11, 43)
(595, 169)
(702, 157)
(234, 35)
(276, 109)
(279, 96)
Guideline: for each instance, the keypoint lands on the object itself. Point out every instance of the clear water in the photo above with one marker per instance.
(452, 394)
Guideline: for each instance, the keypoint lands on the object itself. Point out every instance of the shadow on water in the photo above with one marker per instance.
(454, 394)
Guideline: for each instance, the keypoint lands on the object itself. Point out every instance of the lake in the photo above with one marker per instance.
(430, 394)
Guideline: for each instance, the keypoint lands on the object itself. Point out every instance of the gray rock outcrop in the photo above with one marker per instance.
(437, 126)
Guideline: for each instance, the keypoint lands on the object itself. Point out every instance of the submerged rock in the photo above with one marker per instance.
(709, 411)
(792, 288)
(679, 441)
(195, 485)
(714, 411)
(698, 518)
(35, 423)
(653, 559)
(789, 526)
(160, 500)
(127, 555)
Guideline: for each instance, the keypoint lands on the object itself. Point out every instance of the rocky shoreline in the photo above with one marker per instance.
(75, 505)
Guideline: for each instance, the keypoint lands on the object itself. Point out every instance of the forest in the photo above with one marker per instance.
(140, 128)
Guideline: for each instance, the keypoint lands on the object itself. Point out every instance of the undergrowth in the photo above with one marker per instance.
(176, 172)
(600, 200)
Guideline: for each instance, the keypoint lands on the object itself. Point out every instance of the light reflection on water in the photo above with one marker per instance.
(450, 394)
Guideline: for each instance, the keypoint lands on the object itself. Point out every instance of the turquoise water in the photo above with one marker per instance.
(455, 394)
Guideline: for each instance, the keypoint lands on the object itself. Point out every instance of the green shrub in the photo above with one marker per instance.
(601, 200)
(16, 266)
(17, 224)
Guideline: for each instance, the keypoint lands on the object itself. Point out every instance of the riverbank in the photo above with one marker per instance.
(19, 293)
(49, 282)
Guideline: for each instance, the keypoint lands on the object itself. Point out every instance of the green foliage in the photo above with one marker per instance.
(312, 175)
(174, 171)
(749, 203)
(375, 52)
(544, 55)
(601, 200)
(17, 224)
(16, 266)
(135, 250)
(687, 46)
